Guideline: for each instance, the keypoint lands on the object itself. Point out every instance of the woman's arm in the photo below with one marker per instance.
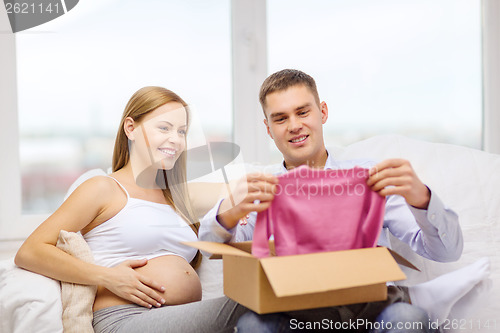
(205, 195)
(91, 203)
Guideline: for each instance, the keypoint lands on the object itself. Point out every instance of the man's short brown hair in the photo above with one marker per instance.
(283, 80)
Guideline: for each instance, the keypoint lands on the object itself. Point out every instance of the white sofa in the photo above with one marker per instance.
(467, 180)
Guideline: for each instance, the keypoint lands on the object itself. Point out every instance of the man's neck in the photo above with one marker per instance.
(318, 163)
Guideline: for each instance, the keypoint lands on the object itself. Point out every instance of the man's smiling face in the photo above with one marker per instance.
(294, 120)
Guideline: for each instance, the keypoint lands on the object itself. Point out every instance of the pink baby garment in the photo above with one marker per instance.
(320, 210)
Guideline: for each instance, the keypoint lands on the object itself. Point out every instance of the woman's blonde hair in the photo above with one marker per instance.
(144, 101)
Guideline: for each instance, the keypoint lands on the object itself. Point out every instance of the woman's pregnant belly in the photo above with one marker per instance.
(182, 284)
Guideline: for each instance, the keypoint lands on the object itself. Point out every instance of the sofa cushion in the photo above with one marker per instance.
(77, 300)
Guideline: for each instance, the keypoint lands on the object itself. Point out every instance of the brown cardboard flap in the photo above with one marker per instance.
(402, 261)
(318, 272)
(243, 246)
(247, 247)
(217, 248)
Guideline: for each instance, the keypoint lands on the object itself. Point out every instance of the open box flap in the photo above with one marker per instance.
(247, 246)
(402, 261)
(319, 272)
(218, 248)
(243, 246)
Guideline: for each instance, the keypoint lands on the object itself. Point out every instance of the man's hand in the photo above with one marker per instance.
(252, 193)
(396, 176)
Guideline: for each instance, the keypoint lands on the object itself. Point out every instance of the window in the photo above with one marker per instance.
(76, 74)
(410, 67)
(386, 66)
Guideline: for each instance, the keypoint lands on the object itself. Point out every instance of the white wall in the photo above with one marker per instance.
(491, 75)
(10, 180)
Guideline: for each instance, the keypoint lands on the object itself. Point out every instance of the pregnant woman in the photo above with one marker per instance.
(134, 221)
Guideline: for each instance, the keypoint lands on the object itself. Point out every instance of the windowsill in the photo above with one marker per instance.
(21, 228)
(8, 248)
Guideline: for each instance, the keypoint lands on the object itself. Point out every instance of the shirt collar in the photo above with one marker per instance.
(329, 164)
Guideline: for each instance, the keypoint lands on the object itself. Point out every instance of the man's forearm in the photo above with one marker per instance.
(441, 229)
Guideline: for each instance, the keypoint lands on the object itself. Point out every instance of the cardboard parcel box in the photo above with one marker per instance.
(306, 281)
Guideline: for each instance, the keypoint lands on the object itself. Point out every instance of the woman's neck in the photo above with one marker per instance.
(145, 178)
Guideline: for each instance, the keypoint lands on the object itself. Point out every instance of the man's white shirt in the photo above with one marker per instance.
(434, 233)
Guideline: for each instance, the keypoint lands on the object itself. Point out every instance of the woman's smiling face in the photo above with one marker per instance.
(160, 137)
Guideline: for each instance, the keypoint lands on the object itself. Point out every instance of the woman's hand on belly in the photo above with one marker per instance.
(126, 281)
(182, 284)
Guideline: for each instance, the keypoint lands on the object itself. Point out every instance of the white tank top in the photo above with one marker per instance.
(142, 229)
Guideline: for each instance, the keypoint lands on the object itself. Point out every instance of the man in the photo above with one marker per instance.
(294, 118)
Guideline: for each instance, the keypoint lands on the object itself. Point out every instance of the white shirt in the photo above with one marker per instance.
(433, 233)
